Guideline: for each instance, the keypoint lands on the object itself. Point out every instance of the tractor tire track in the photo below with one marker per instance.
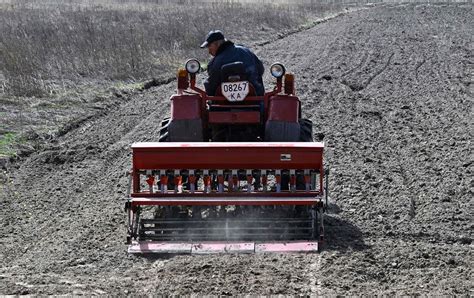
(378, 72)
(314, 278)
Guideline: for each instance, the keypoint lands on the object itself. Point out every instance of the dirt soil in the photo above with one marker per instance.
(391, 89)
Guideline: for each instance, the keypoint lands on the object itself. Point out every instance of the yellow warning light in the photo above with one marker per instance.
(182, 73)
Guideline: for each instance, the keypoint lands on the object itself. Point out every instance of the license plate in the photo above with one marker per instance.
(235, 91)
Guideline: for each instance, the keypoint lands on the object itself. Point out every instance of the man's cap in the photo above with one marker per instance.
(212, 36)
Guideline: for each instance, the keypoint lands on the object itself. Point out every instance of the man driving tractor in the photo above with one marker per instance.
(224, 52)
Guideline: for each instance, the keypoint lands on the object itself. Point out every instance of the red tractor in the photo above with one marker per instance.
(236, 114)
(233, 172)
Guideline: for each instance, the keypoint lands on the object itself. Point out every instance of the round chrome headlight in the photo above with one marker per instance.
(277, 70)
(193, 66)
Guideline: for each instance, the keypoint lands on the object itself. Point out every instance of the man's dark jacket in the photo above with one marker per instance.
(229, 53)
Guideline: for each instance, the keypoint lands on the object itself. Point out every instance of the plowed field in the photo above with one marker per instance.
(391, 89)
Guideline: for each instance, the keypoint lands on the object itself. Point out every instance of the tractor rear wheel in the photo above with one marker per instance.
(164, 130)
(306, 130)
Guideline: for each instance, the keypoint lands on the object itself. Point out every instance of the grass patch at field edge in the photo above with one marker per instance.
(8, 142)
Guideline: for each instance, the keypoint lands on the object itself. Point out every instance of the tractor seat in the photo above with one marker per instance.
(234, 72)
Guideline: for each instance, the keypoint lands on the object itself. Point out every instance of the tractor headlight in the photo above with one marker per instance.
(193, 66)
(277, 70)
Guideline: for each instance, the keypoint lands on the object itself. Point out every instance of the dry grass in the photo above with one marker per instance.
(48, 44)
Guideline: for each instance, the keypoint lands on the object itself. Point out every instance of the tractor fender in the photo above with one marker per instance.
(282, 120)
(283, 108)
(186, 123)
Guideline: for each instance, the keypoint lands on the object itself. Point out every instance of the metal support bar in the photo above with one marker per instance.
(326, 190)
